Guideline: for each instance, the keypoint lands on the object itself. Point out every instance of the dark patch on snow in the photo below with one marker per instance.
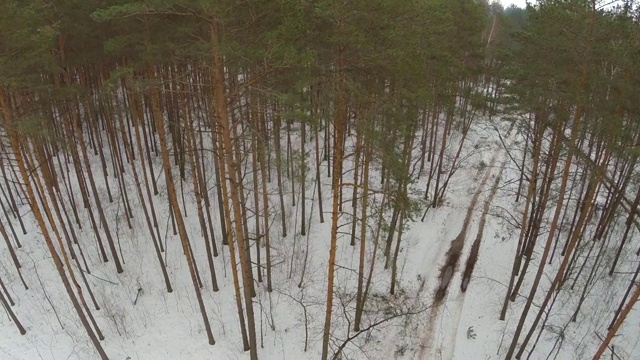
(471, 261)
(447, 271)
(475, 248)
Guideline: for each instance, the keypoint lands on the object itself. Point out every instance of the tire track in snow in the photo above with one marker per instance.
(468, 270)
(448, 269)
(475, 248)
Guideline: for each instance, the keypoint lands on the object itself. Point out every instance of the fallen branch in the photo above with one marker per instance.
(373, 325)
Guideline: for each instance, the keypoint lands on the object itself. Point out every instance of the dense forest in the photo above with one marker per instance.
(224, 152)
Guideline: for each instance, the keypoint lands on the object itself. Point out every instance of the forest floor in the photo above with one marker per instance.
(141, 321)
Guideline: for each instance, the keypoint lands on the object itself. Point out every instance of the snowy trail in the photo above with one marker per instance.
(448, 345)
(447, 271)
(449, 316)
(450, 342)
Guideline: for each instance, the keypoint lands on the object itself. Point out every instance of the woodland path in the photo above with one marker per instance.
(448, 270)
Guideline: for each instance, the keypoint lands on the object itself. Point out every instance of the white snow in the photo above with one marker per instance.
(169, 326)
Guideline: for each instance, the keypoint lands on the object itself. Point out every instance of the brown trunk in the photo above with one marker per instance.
(354, 197)
(195, 176)
(550, 235)
(204, 190)
(173, 203)
(12, 315)
(363, 235)
(614, 329)
(265, 195)
(538, 208)
(303, 178)
(138, 122)
(243, 203)
(276, 140)
(155, 240)
(394, 263)
(31, 197)
(530, 195)
(73, 118)
(55, 200)
(232, 252)
(317, 146)
(339, 123)
(220, 100)
(253, 116)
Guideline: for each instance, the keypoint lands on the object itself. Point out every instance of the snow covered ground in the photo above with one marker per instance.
(163, 325)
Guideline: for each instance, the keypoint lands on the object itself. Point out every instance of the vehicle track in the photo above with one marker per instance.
(475, 248)
(448, 269)
(468, 270)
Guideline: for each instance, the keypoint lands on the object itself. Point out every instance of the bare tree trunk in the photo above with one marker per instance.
(317, 146)
(220, 100)
(138, 122)
(363, 234)
(303, 178)
(155, 240)
(614, 329)
(265, 195)
(394, 262)
(173, 202)
(195, 177)
(339, 122)
(276, 139)
(55, 200)
(15, 144)
(96, 197)
(354, 197)
(632, 212)
(547, 247)
(12, 315)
